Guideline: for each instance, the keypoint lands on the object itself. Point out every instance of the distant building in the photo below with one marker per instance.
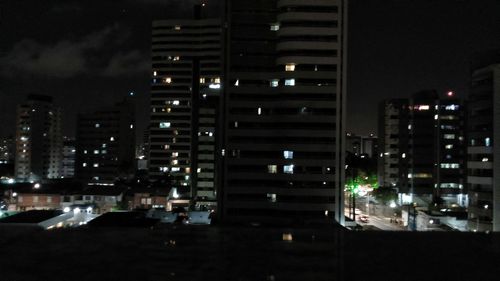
(7, 150)
(358, 145)
(38, 140)
(7, 158)
(393, 144)
(483, 152)
(186, 85)
(69, 158)
(423, 148)
(105, 144)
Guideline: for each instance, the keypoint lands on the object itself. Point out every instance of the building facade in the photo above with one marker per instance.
(69, 158)
(422, 145)
(38, 140)
(483, 173)
(185, 91)
(105, 144)
(393, 144)
(284, 86)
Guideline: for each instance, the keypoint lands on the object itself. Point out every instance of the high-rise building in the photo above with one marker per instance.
(186, 85)
(69, 156)
(7, 149)
(105, 144)
(38, 140)
(393, 144)
(483, 173)
(7, 157)
(423, 148)
(284, 93)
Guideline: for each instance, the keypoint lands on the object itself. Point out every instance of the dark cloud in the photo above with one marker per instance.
(66, 7)
(123, 64)
(92, 54)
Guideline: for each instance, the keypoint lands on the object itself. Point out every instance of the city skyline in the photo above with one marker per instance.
(110, 56)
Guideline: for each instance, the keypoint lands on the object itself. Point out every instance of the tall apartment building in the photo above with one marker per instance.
(393, 144)
(69, 158)
(483, 173)
(423, 148)
(38, 140)
(185, 91)
(105, 144)
(284, 93)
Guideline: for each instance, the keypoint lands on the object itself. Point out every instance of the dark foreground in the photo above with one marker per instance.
(244, 253)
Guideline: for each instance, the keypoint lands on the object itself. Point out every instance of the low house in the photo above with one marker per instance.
(105, 199)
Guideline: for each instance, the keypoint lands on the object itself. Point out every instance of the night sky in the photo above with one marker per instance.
(94, 52)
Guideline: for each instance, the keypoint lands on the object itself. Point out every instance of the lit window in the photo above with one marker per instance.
(168, 80)
(436, 117)
(409, 127)
(275, 27)
(421, 107)
(288, 154)
(85, 152)
(97, 125)
(449, 146)
(175, 162)
(166, 146)
(164, 125)
(217, 80)
(259, 111)
(131, 126)
(403, 155)
(237, 83)
(290, 82)
(177, 27)
(176, 169)
(96, 165)
(84, 165)
(175, 154)
(487, 142)
(449, 136)
(155, 73)
(290, 67)
(177, 58)
(112, 138)
(485, 160)
(452, 107)
(214, 86)
(271, 197)
(288, 169)
(176, 102)
(272, 169)
(96, 151)
(275, 83)
(202, 80)
(450, 166)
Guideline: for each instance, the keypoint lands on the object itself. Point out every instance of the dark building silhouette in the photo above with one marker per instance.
(284, 85)
(423, 148)
(69, 158)
(105, 144)
(483, 178)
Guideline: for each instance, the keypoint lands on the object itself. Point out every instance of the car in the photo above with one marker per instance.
(364, 218)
